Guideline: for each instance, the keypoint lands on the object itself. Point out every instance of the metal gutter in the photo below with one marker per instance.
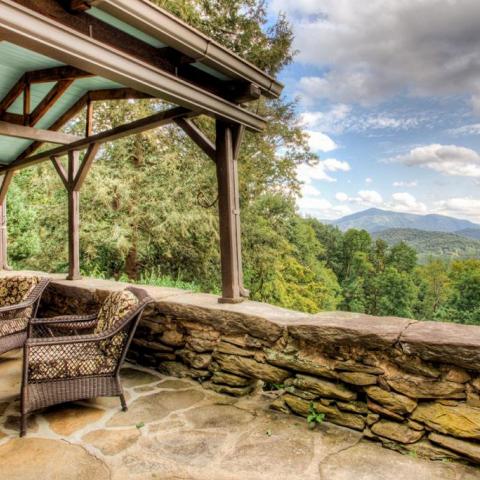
(31, 30)
(172, 31)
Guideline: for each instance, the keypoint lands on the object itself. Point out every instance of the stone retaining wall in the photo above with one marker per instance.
(414, 386)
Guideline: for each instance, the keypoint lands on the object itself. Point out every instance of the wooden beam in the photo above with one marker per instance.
(59, 123)
(94, 95)
(238, 133)
(56, 74)
(90, 155)
(166, 58)
(15, 118)
(49, 100)
(39, 76)
(57, 163)
(138, 126)
(73, 219)
(197, 136)
(30, 133)
(12, 95)
(26, 103)
(228, 207)
(171, 30)
(89, 118)
(7, 179)
(238, 136)
(117, 94)
(62, 38)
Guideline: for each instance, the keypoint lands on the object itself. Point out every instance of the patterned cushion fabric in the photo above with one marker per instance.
(113, 310)
(15, 289)
(12, 325)
(72, 361)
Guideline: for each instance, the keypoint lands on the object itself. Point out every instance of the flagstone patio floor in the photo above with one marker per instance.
(176, 430)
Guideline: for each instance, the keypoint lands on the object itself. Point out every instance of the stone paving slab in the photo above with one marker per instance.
(176, 430)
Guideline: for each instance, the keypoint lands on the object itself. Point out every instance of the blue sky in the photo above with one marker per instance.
(389, 91)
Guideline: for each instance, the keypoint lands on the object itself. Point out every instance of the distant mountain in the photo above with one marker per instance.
(432, 244)
(470, 233)
(375, 220)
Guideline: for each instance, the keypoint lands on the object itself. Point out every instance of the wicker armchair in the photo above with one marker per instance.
(19, 299)
(72, 358)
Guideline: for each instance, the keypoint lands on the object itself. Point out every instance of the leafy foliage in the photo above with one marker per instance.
(440, 245)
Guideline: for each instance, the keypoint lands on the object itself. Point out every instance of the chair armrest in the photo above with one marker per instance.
(57, 321)
(71, 339)
(17, 306)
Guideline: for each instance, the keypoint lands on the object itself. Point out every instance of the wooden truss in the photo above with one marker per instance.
(64, 31)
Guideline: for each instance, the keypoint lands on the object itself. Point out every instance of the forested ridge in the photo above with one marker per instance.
(148, 210)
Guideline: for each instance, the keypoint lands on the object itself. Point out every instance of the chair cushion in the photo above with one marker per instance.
(13, 325)
(15, 289)
(113, 310)
(72, 361)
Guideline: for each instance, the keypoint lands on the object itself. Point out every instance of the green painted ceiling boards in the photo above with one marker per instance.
(14, 62)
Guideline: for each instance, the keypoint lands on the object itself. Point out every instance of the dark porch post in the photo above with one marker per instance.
(228, 138)
(73, 180)
(7, 178)
(73, 219)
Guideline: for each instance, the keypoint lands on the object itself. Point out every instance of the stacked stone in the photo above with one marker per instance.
(414, 386)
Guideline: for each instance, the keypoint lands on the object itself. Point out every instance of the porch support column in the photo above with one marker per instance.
(228, 138)
(73, 180)
(7, 178)
(73, 219)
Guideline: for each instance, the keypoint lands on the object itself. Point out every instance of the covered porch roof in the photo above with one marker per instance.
(57, 57)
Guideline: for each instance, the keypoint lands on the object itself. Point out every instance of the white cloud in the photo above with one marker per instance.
(320, 142)
(463, 207)
(406, 202)
(375, 49)
(341, 117)
(363, 197)
(446, 159)
(332, 120)
(370, 197)
(321, 208)
(321, 170)
(369, 180)
(472, 129)
(405, 184)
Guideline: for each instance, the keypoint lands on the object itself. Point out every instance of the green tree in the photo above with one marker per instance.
(398, 293)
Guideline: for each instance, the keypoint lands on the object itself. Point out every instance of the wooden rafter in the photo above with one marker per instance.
(30, 133)
(49, 100)
(148, 123)
(40, 76)
(87, 162)
(57, 163)
(56, 74)
(12, 95)
(7, 179)
(76, 108)
(197, 136)
(163, 58)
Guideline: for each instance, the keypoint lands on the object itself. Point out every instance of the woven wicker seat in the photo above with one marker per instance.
(76, 357)
(19, 299)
